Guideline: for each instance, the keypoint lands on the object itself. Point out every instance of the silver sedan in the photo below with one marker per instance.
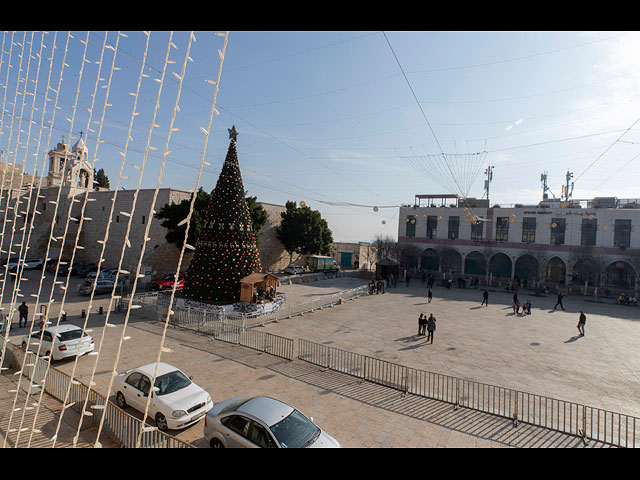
(262, 422)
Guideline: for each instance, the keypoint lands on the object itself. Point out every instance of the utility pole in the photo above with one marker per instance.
(489, 173)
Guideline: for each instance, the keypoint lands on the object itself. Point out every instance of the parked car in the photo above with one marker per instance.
(262, 422)
(84, 270)
(176, 402)
(33, 263)
(166, 283)
(102, 286)
(68, 341)
(101, 276)
(29, 264)
(63, 268)
(294, 269)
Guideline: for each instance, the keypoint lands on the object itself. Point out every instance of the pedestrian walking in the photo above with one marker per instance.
(559, 302)
(581, 321)
(24, 314)
(431, 327)
(485, 298)
(422, 323)
(429, 296)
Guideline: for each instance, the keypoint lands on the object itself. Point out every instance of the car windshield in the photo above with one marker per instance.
(70, 335)
(171, 382)
(295, 431)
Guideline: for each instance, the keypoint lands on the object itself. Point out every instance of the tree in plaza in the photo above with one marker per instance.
(304, 231)
(173, 213)
(386, 247)
(226, 250)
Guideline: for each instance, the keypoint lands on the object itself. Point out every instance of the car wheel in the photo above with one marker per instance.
(122, 403)
(161, 422)
(215, 443)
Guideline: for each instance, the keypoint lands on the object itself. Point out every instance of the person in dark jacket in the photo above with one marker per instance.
(485, 298)
(422, 324)
(581, 321)
(431, 327)
(559, 302)
(24, 314)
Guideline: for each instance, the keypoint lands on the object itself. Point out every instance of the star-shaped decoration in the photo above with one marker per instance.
(233, 134)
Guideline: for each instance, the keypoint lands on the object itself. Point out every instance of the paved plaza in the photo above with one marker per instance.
(538, 353)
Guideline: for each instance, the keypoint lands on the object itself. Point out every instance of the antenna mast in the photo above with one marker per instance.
(566, 191)
(489, 173)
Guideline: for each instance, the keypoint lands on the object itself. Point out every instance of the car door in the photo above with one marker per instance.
(261, 436)
(46, 343)
(236, 429)
(132, 390)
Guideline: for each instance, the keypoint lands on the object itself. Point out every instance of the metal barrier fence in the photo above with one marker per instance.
(588, 423)
(231, 330)
(118, 425)
(292, 310)
(236, 327)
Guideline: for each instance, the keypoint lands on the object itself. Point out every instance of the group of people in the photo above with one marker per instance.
(376, 286)
(23, 311)
(526, 306)
(427, 326)
(627, 300)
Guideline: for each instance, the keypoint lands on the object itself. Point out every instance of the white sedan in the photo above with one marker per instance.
(176, 402)
(68, 341)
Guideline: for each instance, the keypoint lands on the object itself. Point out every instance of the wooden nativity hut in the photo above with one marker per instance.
(258, 288)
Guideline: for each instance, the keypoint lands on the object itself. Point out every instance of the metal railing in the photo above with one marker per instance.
(224, 328)
(295, 309)
(119, 426)
(588, 423)
(213, 322)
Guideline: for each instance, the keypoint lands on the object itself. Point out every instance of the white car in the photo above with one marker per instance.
(29, 263)
(262, 422)
(294, 269)
(176, 402)
(68, 341)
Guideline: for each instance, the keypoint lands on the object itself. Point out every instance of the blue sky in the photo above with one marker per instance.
(331, 118)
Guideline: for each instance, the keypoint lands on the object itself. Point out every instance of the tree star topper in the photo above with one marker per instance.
(233, 134)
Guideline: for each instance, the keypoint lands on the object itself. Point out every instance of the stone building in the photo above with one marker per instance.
(579, 245)
(359, 256)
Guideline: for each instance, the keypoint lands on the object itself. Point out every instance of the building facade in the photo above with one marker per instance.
(568, 245)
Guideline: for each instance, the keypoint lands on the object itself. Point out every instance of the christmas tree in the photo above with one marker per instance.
(226, 250)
